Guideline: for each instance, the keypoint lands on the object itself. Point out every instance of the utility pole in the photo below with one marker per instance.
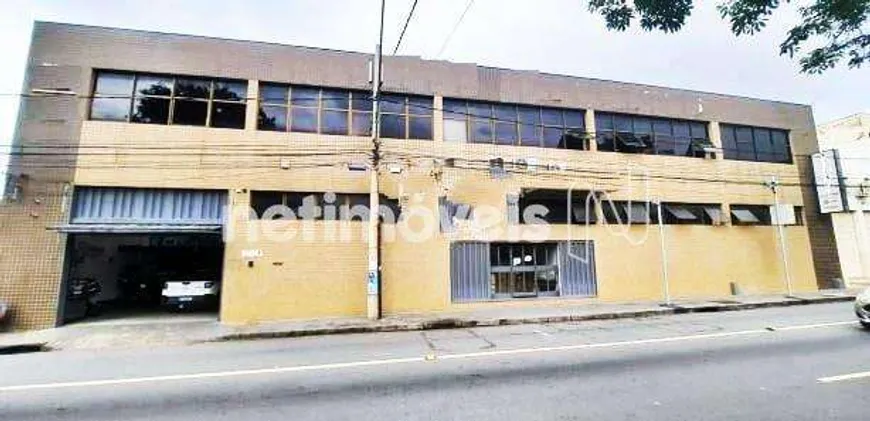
(665, 282)
(773, 185)
(373, 276)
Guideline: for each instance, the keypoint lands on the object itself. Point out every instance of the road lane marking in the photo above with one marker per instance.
(392, 361)
(845, 377)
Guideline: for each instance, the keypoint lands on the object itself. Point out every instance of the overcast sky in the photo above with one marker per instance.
(557, 36)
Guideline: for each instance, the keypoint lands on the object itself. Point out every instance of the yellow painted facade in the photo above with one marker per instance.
(317, 274)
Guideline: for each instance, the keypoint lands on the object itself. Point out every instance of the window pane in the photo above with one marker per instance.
(228, 115)
(420, 127)
(481, 131)
(745, 144)
(530, 135)
(642, 125)
(110, 109)
(261, 201)
(334, 99)
(574, 119)
(551, 117)
(665, 145)
(361, 102)
(190, 112)
(192, 88)
(505, 113)
(361, 124)
(623, 123)
(392, 104)
(781, 150)
(699, 131)
(272, 118)
(333, 122)
(729, 142)
(455, 109)
(151, 110)
(606, 141)
(662, 127)
(153, 85)
(420, 106)
(114, 84)
(274, 94)
(303, 120)
(230, 91)
(682, 146)
(552, 137)
(455, 131)
(480, 109)
(603, 122)
(306, 97)
(763, 145)
(681, 129)
(505, 133)
(393, 126)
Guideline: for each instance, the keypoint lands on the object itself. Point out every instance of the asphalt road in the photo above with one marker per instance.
(798, 363)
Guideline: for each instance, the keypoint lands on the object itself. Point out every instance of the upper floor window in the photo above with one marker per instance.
(755, 144)
(161, 99)
(341, 112)
(508, 124)
(650, 135)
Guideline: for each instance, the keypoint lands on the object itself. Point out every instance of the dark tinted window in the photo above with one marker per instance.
(755, 144)
(509, 124)
(641, 134)
(148, 98)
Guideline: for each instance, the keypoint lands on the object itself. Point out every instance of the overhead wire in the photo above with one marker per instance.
(405, 27)
(453, 30)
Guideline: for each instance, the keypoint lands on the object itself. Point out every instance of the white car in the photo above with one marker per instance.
(189, 294)
(862, 308)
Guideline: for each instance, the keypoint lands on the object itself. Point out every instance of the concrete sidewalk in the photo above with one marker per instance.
(197, 329)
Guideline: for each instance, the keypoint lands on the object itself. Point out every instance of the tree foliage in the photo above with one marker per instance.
(829, 32)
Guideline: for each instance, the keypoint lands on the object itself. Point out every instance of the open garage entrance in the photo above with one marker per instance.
(128, 275)
(149, 255)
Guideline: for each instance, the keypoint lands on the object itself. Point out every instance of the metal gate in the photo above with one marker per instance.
(577, 269)
(121, 209)
(469, 271)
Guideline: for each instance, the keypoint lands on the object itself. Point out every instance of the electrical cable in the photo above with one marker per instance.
(405, 27)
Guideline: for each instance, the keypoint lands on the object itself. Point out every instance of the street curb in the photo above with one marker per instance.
(459, 323)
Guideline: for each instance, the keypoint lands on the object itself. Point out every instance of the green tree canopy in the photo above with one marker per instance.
(829, 32)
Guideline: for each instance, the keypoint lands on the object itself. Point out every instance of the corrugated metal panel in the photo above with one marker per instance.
(118, 205)
(469, 271)
(137, 229)
(577, 269)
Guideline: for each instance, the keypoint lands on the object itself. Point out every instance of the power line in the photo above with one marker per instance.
(455, 27)
(405, 27)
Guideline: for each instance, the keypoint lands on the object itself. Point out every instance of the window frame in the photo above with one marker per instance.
(493, 120)
(551, 253)
(609, 134)
(731, 144)
(173, 97)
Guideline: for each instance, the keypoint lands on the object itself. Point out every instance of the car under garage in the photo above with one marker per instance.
(137, 253)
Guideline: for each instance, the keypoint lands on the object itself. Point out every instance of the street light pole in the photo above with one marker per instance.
(665, 281)
(773, 184)
(373, 276)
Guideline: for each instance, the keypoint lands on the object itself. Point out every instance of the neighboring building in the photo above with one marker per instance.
(843, 171)
(158, 143)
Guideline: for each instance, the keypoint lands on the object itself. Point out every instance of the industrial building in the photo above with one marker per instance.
(148, 156)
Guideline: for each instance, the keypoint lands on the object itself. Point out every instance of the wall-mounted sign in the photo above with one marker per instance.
(252, 253)
(827, 178)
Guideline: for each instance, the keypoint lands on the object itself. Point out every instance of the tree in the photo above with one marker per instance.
(830, 31)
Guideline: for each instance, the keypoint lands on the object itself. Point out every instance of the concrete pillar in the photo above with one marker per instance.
(252, 113)
(716, 138)
(438, 119)
(590, 129)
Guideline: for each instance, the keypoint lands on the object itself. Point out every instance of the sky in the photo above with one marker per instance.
(555, 36)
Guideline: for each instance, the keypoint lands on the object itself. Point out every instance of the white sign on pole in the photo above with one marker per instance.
(827, 181)
(782, 215)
